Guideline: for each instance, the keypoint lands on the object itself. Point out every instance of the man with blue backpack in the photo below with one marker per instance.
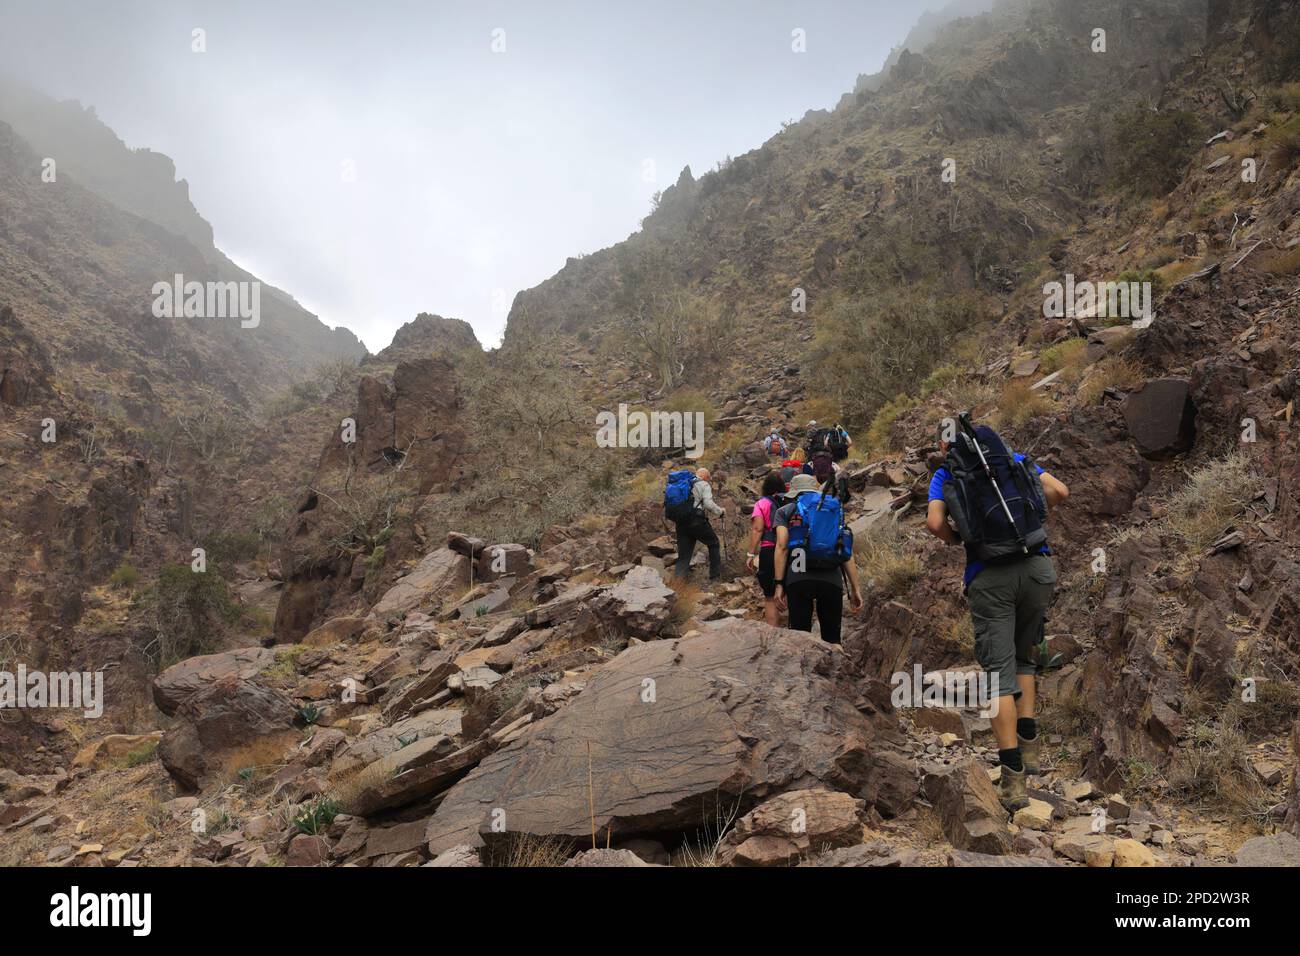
(688, 502)
(997, 504)
(814, 558)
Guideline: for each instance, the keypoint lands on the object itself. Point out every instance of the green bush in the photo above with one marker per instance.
(124, 577)
(1149, 152)
(190, 609)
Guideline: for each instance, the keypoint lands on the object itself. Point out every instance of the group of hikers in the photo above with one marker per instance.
(983, 496)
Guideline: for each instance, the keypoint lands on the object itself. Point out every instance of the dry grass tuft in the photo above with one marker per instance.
(1211, 500)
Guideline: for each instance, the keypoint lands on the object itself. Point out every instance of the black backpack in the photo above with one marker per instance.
(975, 508)
(829, 440)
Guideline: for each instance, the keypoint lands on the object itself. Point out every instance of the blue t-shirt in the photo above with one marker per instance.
(973, 567)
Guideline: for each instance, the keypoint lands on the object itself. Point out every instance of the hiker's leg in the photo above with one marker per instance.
(771, 613)
(992, 598)
(830, 611)
(800, 602)
(1037, 589)
(709, 538)
(767, 583)
(685, 548)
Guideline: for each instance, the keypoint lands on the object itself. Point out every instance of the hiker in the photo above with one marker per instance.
(688, 502)
(824, 468)
(834, 440)
(813, 560)
(774, 444)
(1009, 582)
(791, 467)
(761, 558)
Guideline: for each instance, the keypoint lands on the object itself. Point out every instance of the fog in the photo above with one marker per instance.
(381, 159)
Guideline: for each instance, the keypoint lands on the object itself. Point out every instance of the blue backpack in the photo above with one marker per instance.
(823, 536)
(677, 496)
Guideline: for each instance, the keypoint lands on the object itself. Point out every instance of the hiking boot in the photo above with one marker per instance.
(1031, 752)
(1011, 789)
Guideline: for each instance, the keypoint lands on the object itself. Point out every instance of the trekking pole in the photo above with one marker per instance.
(968, 432)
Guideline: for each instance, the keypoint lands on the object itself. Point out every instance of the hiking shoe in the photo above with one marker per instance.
(1011, 789)
(1031, 752)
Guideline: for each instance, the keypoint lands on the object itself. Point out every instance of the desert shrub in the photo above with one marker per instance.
(1020, 402)
(882, 425)
(887, 565)
(1212, 498)
(125, 577)
(1149, 151)
(528, 851)
(872, 350)
(1211, 768)
(1114, 372)
(226, 548)
(1285, 140)
(1068, 357)
(190, 610)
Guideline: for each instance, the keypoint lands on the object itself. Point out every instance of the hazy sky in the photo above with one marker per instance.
(475, 173)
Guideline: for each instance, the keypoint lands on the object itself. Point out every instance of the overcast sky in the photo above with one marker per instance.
(475, 173)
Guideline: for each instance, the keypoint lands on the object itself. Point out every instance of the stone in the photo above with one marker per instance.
(968, 807)
(503, 561)
(739, 712)
(640, 603)
(1161, 418)
(607, 858)
(219, 722)
(439, 574)
(458, 856)
(1280, 849)
(178, 682)
(965, 858)
(307, 850)
(1036, 816)
(1133, 853)
(787, 826)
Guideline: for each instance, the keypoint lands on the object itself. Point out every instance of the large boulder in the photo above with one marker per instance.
(230, 721)
(174, 685)
(1161, 417)
(671, 732)
(439, 574)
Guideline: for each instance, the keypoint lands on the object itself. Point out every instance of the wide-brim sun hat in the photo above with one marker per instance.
(801, 484)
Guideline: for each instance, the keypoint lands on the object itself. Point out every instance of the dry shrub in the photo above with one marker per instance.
(1114, 372)
(887, 565)
(527, 850)
(1021, 403)
(1212, 498)
(1212, 769)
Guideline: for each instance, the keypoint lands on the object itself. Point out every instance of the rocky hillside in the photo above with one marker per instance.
(476, 659)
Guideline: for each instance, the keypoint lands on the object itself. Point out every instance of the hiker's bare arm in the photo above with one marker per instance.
(1055, 491)
(755, 536)
(782, 549)
(936, 522)
(850, 570)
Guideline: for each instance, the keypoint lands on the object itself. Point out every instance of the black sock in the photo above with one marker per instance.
(1026, 728)
(1011, 759)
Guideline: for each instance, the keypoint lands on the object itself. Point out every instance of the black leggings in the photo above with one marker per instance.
(827, 599)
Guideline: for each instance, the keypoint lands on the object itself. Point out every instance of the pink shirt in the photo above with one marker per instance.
(763, 508)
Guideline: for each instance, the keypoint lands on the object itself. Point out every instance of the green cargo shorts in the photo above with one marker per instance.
(1008, 607)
